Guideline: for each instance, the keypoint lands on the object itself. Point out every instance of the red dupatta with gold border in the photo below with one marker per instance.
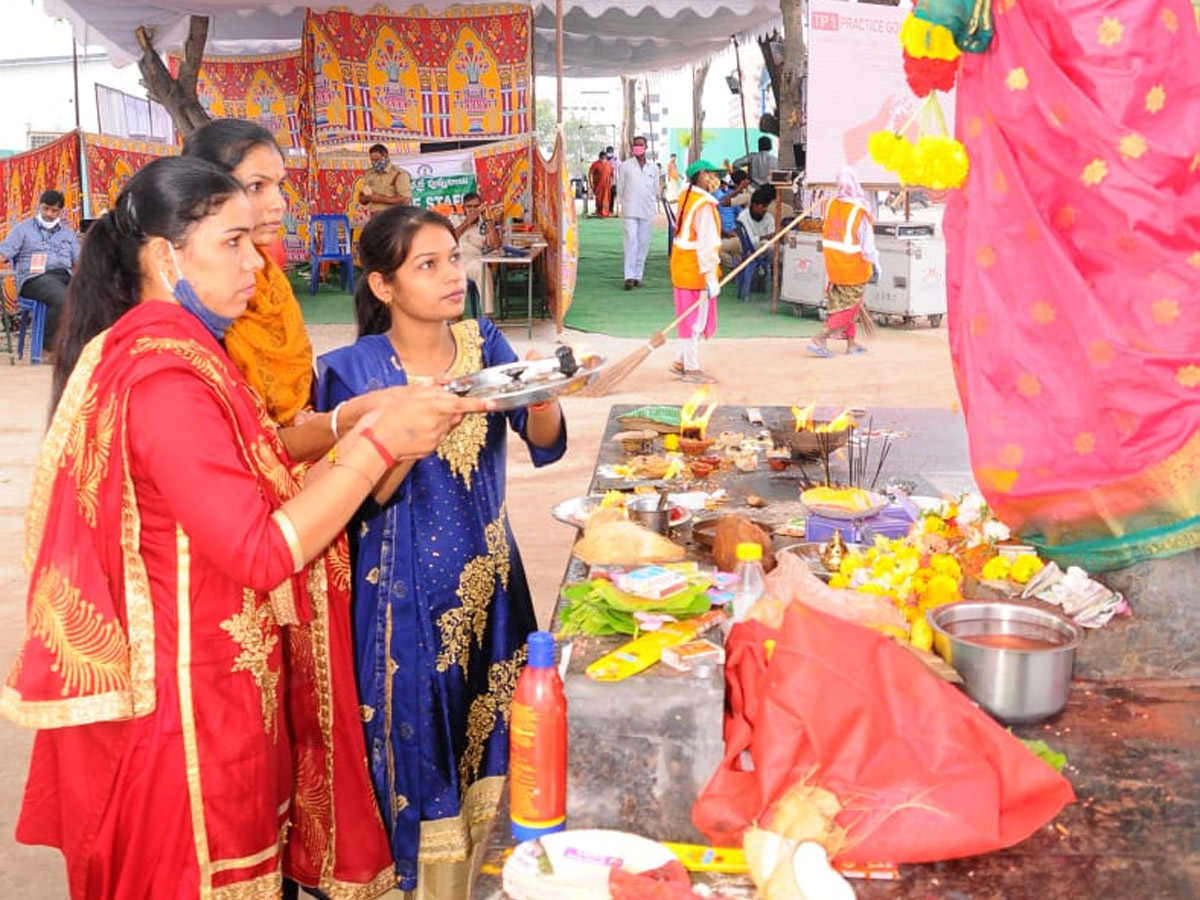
(89, 651)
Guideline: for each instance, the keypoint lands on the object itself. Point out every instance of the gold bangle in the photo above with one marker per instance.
(288, 529)
(335, 462)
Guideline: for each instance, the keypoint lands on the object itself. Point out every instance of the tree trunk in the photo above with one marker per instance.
(628, 114)
(699, 76)
(794, 69)
(770, 62)
(177, 95)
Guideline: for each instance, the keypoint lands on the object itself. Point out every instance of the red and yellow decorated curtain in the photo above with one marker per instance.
(1074, 275)
(429, 77)
(554, 214)
(265, 89)
(111, 162)
(54, 166)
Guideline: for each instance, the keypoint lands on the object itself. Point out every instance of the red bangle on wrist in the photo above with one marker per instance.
(369, 436)
(540, 407)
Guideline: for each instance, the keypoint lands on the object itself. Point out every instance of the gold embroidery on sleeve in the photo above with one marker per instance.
(255, 631)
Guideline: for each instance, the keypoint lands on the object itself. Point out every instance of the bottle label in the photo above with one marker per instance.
(537, 771)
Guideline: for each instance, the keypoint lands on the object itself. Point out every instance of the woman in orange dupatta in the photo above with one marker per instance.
(168, 542)
(269, 345)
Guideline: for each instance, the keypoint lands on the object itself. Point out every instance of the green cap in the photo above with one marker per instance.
(702, 165)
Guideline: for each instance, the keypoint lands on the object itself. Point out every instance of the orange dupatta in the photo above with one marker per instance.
(270, 347)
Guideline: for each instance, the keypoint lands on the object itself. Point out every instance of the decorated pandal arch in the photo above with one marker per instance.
(465, 74)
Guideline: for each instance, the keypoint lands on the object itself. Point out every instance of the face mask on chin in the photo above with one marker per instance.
(48, 224)
(186, 296)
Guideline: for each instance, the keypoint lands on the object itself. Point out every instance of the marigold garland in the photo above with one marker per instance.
(924, 40)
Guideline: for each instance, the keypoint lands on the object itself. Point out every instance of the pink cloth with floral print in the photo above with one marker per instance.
(1074, 270)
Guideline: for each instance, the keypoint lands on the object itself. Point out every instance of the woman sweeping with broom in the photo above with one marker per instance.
(696, 268)
(848, 240)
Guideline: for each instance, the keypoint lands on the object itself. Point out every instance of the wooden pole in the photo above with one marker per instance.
(558, 56)
(737, 56)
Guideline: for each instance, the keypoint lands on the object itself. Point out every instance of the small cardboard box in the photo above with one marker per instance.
(651, 582)
(684, 657)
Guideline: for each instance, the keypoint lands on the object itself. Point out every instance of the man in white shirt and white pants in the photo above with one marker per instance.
(637, 193)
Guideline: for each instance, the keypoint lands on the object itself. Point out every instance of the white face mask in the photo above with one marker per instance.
(48, 224)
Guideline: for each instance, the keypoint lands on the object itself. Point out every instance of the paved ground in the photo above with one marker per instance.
(909, 368)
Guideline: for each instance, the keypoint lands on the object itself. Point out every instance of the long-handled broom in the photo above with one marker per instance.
(618, 371)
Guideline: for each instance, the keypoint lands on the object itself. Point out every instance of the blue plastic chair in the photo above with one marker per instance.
(745, 278)
(329, 239)
(31, 312)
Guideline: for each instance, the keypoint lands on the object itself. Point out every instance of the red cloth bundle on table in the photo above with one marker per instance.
(922, 773)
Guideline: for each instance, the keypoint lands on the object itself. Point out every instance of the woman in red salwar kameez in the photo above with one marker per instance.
(168, 542)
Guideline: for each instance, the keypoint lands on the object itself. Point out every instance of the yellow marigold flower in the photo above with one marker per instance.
(941, 589)
(838, 580)
(872, 588)
(671, 442)
(1025, 567)
(883, 566)
(997, 568)
(924, 39)
(945, 564)
(934, 524)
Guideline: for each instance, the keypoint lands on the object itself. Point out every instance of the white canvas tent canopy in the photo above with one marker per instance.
(600, 37)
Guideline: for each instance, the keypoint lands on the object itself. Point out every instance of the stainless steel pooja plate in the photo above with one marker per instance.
(519, 384)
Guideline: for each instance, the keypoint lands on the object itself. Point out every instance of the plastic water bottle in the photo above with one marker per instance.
(751, 581)
(537, 771)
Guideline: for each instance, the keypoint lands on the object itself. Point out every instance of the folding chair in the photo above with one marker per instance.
(745, 279)
(33, 318)
(329, 239)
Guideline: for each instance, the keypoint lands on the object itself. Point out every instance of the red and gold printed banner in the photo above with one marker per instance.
(554, 215)
(54, 166)
(502, 176)
(264, 89)
(111, 162)
(295, 220)
(466, 73)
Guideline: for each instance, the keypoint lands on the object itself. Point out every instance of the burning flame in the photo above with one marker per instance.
(806, 422)
(804, 417)
(692, 422)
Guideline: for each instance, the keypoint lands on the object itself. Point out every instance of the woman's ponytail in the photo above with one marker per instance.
(103, 287)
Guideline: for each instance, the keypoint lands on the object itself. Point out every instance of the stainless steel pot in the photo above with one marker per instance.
(1015, 659)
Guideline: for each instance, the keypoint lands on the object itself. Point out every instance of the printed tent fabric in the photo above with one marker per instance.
(1073, 269)
(921, 772)
(610, 37)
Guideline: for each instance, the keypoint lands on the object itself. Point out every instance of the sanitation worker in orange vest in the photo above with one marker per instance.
(851, 263)
(696, 267)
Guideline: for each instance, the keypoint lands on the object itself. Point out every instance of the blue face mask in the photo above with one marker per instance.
(185, 295)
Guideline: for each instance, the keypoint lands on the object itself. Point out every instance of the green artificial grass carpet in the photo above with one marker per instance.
(601, 304)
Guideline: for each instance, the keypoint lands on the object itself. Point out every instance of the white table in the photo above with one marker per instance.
(498, 259)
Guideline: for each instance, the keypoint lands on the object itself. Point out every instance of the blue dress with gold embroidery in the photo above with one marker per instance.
(441, 612)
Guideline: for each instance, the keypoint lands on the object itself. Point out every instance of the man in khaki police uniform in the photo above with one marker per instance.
(384, 185)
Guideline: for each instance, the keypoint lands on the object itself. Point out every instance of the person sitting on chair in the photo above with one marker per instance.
(477, 233)
(43, 250)
(758, 222)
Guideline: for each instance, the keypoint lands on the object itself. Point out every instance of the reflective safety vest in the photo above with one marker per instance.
(685, 264)
(844, 260)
